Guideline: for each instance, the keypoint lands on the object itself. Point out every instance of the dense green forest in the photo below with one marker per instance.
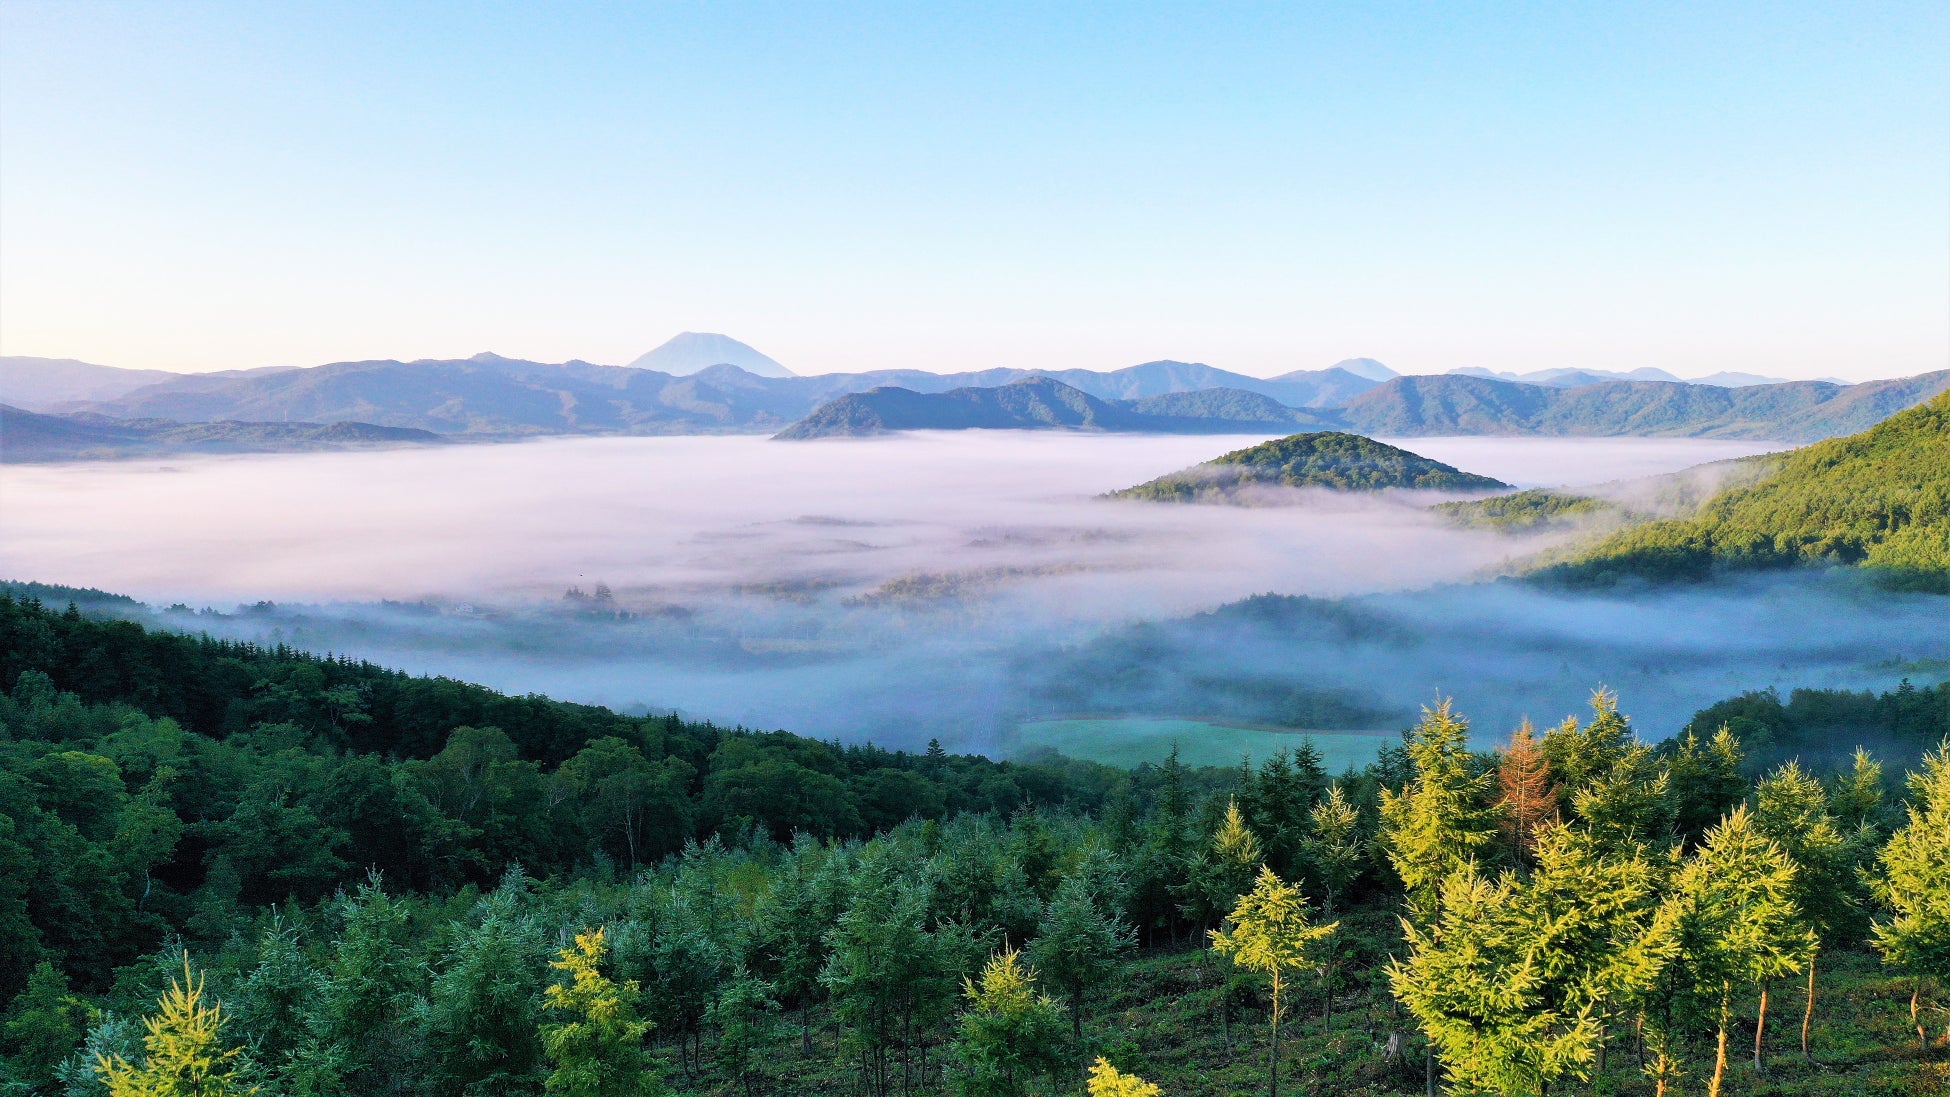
(311, 875)
(1535, 510)
(1323, 459)
(1877, 499)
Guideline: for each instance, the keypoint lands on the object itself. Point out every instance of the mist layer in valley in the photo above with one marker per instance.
(933, 585)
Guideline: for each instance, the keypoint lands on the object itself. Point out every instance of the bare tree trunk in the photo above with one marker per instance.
(1720, 1053)
(1915, 993)
(1428, 1069)
(1760, 1031)
(1273, 1053)
(1808, 1015)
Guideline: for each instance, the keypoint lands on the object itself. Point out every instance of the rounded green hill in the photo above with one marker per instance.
(1323, 459)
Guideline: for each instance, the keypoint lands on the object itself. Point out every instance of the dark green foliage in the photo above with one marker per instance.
(1326, 459)
(1537, 510)
(1795, 411)
(1879, 499)
(1823, 727)
(136, 834)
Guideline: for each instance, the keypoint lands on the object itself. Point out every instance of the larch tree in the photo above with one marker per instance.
(1791, 809)
(1737, 922)
(1630, 804)
(744, 1012)
(184, 1051)
(1107, 1081)
(1225, 869)
(1912, 882)
(1437, 822)
(593, 1038)
(1442, 817)
(1079, 945)
(1335, 848)
(1518, 981)
(1526, 794)
(1856, 796)
(1271, 933)
(1010, 1034)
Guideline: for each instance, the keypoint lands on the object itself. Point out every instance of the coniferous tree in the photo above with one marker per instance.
(1079, 945)
(1856, 798)
(184, 1051)
(1225, 869)
(1108, 1081)
(1527, 795)
(1706, 781)
(277, 1002)
(1437, 822)
(1441, 818)
(370, 989)
(1271, 933)
(44, 1025)
(1517, 982)
(1579, 754)
(592, 1036)
(480, 1011)
(1630, 804)
(1737, 922)
(1336, 850)
(1913, 884)
(1791, 810)
(1010, 1035)
(743, 1012)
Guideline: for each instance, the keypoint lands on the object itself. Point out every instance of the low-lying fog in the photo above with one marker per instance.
(932, 584)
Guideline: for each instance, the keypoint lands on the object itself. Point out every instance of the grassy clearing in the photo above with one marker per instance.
(1182, 1019)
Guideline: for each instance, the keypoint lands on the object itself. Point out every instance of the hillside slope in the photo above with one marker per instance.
(40, 384)
(1326, 459)
(1043, 403)
(1795, 411)
(30, 436)
(1879, 499)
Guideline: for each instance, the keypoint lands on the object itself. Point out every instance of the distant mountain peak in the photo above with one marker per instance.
(1366, 367)
(687, 352)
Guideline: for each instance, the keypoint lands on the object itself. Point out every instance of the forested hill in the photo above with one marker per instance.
(1043, 403)
(30, 436)
(1794, 411)
(1325, 459)
(1879, 499)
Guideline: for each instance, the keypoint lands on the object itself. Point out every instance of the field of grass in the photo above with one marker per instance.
(1130, 741)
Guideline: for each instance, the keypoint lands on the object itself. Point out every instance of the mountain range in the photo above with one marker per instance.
(490, 396)
(1449, 404)
(1044, 403)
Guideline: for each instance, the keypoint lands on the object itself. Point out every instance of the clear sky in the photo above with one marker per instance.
(1697, 187)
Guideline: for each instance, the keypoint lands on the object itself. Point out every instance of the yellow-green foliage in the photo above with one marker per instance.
(1270, 932)
(1108, 1081)
(184, 1056)
(1879, 499)
(1914, 882)
(598, 1050)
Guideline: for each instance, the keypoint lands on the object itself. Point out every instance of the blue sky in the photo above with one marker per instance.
(1695, 187)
